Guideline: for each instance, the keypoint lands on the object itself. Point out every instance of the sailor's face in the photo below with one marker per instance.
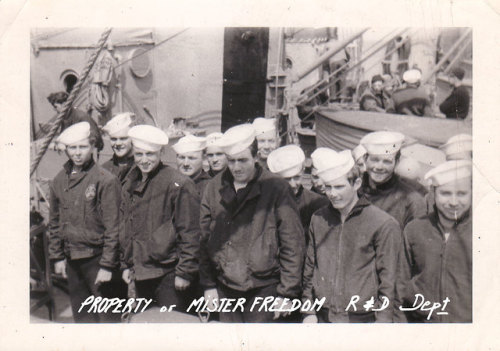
(316, 181)
(121, 143)
(454, 199)
(146, 160)
(216, 158)
(190, 163)
(58, 107)
(79, 153)
(242, 166)
(361, 164)
(266, 143)
(380, 168)
(341, 193)
(295, 182)
(377, 86)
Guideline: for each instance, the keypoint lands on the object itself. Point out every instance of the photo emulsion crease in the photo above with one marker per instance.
(251, 175)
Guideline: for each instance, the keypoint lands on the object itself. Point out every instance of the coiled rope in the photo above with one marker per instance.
(69, 102)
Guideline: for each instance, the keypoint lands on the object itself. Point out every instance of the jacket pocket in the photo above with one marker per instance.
(232, 264)
(83, 237)
(264, 255)
(321, 287)
(161, 244)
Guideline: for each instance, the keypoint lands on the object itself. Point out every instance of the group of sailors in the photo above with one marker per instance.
(388, 94)
(244, 226)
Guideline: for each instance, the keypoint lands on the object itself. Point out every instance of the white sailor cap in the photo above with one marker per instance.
(213, 138)
(74, 133)
(118, 123)
(320, 157)
(382, 142)
(237, 139)
(458, 147)
(190, 143)
(358, 152)
(148, 137)
(287, 161)
(264, 125)
(449, 171)
(408, 167)
(412, 76)
(337, 166)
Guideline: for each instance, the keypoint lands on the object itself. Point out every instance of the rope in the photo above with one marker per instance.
(67, 105)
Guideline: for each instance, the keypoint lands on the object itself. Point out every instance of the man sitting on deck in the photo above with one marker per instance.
(412, 99)
(456, 105)
(375, 98)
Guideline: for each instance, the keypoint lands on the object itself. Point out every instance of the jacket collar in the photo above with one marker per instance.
(228, 193)
(68, 166)
(434, 218)
(299, 194)
(356, 210)
(129, 160)
(391, 183)
(201, 175)
(135, 177)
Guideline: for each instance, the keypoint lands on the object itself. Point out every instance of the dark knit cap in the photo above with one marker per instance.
(458, 72)
(59, 97)
(377, 77)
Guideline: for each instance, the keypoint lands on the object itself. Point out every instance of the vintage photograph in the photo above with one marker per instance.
(251, 175)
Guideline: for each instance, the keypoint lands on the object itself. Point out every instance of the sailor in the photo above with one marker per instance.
(458, 147)
(375, 98)
(353, 250)
(75, 115)
(439, 247)
(252, 238)
(409, 172)
(160, 234)
(84, 221)
(216, 158)
(288, 162)
(358, 154)
(412, 99)
(317, 156)
(456, 105)
(385, 189)
(189, 150)
(267, 138)
(381, 186)
(122, 160)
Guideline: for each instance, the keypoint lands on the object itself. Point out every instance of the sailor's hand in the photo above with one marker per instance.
(211, 295)
(103, 276)
(311, 318)
(60, 268)
(287, 306)
(126, 276)
(181, 283)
